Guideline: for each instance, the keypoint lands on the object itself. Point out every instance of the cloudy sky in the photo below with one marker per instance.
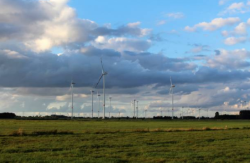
(203, 45)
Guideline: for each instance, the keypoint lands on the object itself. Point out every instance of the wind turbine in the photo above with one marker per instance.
(92, 101)
(137, 110)
(72, 105)
(109, 105)
(134, 108)
(171, 91)
(103, 75)
(98, 96)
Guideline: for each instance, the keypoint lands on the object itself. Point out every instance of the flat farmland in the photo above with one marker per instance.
(124, 141)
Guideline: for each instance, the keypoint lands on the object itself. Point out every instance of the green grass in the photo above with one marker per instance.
(124, 141)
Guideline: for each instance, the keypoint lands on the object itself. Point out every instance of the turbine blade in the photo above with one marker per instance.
(98, 81)
(102, 67)
(171, 81)
(170, 90)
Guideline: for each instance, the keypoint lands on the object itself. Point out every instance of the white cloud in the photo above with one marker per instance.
(236, 6)
(199, 48)
(240, 29)
(43, 24)
(225, 33)
(121, 44)
(239, 7)
(176, 15)
(222, 2)
(133, 25)
(229, 59)
(235, 40)
(13, 54)
(173, 31)
(248, 21)
(162, 22)
(100, 39)
(214, 24)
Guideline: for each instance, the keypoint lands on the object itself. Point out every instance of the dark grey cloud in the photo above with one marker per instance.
(157, 37)
(217, 52)
(159, 62)
(180, 89)
(23, 11)
(124, 30)
(28, 25)
(197, 48)
(133, 70)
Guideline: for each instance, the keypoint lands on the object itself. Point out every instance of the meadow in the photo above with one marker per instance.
(124, 141)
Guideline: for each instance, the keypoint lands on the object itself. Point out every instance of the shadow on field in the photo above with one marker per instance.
(21, 132)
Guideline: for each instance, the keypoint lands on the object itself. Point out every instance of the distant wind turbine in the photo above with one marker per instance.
(72, 105)
(110, 105)
(134, 107)
(98, 96)
(137, 110)
(171, 91)
(92, 101)
(103, 75)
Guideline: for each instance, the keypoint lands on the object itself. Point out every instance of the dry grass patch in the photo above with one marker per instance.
(141, 130)
(19, 132)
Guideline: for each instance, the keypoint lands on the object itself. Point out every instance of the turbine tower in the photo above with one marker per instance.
(134, 108)
(103, 75)
(92, 102)
(171, 91)
(137, 110)
(98, 96)
(109, 105)
(72, 105)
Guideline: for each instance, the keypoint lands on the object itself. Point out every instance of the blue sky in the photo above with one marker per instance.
(202, 45)
(151, 13)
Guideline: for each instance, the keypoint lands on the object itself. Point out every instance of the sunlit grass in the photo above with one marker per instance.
(124, 141)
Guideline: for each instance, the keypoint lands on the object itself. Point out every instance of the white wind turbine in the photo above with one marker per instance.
(137, 110)
(98, 96)
(103, 75)
(134, 107)
(72, 96)
(171, 91)
(92, 102)
(110, 105)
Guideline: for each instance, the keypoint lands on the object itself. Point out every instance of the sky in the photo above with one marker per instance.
(202, 45)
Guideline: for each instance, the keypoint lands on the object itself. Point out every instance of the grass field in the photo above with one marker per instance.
(124, 141)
